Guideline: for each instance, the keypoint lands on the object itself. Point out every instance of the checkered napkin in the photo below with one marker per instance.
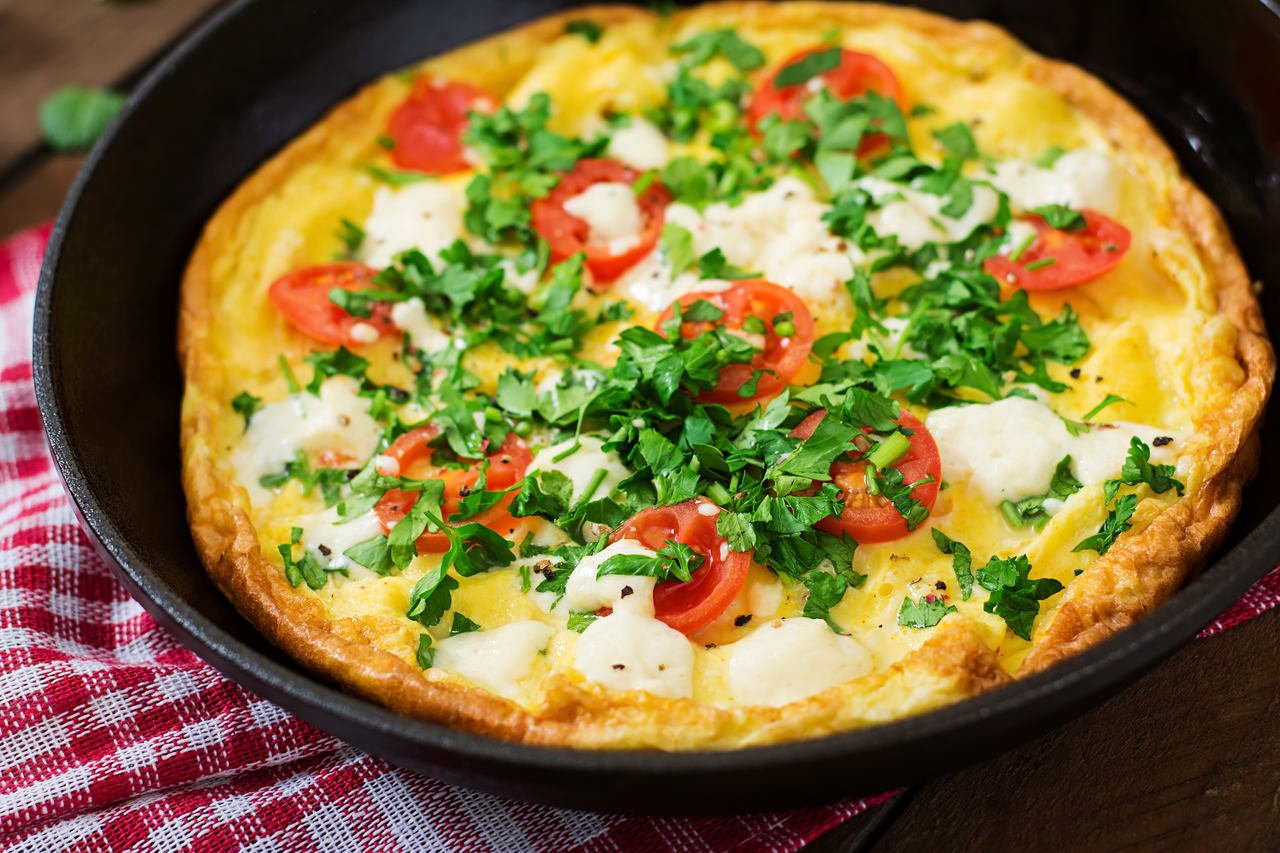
(113, 736)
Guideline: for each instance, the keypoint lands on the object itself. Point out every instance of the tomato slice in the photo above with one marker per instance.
(1057, 259)
(410, 456)
(689, 606)
(566, 234)
(872, 518)
(302, 297)
(427, 127)
(857, 74)
(783, 355)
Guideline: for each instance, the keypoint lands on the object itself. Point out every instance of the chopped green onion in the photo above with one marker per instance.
(889, 451)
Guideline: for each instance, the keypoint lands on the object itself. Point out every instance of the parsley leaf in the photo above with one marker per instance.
(588, 29)
(73, 117)
(1061, 217)
(1138, 469)
(1031, 511)
(703, 47)
(462, 625)
(673, 561)
(810, 66)
(1014, 596)
(245, 404)
(924, 613)
(961, 561)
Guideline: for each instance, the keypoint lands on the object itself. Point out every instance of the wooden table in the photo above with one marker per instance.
(1187, 757)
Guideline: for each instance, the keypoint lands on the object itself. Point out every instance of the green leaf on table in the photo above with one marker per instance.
(73, 117)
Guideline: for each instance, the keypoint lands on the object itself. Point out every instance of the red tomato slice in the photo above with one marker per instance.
(411, 454)
(784, 356)
(1063, 258)
(857, 74)
(689, 606)
(566, 234)
(869, 518)
(302, 297)
(427, 127)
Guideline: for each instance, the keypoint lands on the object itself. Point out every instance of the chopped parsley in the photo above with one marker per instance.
(926, 612)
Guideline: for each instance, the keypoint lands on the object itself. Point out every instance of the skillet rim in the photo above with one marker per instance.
(987, 724)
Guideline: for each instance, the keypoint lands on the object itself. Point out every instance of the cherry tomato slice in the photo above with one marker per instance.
(867, 518)
(689, 606)
(566, 234)
(302, 297)
(857, 74)
(427, 127)
(782, 355)
(1059, 259)
(410, 456)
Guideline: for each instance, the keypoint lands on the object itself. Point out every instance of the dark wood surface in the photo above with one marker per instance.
(1187, 757)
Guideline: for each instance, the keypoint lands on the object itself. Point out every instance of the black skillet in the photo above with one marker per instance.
(261, 72)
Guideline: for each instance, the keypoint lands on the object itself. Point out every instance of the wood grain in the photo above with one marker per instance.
(45, 44)
(1187, 758)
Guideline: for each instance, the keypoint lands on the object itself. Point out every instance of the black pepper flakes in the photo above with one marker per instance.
(739, 621)
(324, 550)
(709, 646)
(1075, 373)
(619, 666)
(1161, 440)
(626, 590)
(940, 585)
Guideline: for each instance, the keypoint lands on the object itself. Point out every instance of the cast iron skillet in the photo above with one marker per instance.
(259, 73)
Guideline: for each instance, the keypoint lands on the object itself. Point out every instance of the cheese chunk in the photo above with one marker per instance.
(425, 216)
(640, 145)
(627, 651)
(1083, 178)
(786, 660)
(779, 233)
(584, 467)
(337, 420)
(498, 659)
(610, 211)
(585, 592)
(424, 331)
(916, 218)
(1009, 449)
(327, 536)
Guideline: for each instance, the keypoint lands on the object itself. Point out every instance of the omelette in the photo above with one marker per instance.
(711, 378)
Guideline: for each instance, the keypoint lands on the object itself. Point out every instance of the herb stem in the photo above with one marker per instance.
(889, 451)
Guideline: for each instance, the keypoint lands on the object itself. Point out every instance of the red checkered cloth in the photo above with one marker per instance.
(113, 736)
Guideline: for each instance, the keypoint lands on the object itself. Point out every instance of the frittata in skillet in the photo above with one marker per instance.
(726, 377)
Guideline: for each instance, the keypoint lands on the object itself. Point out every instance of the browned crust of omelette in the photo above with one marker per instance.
(1139, 573)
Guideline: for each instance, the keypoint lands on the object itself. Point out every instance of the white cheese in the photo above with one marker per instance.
(609, 208)
(426, 216)
(626, 651)
(424, 331)
(1009, 449)
(651, 284)
(583, 466)
(779, 233)
(916, 218)
(325, 532)
(584, 592)
(363, 333)
(337, 421)
(640, 145)
(1083, 178)
(497, 659)
(788, 659)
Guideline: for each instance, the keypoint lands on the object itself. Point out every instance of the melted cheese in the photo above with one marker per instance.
(611, 213)
(498, 658)
(916, 218)
(327, 536)
(627, 651)
(425, 216)
(1009, 449)
(585, 592)
(337, 420)
(788, 659)
(589, 467)
(424, 331)
(779, 233)
(1083, 178)
(640, 145)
